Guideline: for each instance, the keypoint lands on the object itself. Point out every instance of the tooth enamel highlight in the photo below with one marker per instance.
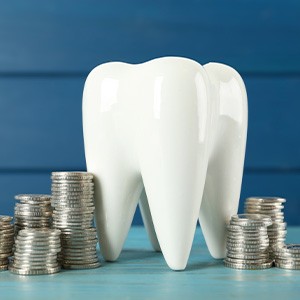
(172, 127)
(225, 168)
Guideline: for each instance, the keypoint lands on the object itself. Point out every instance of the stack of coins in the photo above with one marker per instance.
(33, 211)
(288, 257)
(6, 241)
(248, 242)
(36, 252)
(73, 202)
(272, 207)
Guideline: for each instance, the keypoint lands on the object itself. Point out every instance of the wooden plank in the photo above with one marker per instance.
(253, 36)
(141, 273)
(254, 184)
(41, 126)
(274, 184)
(274, 127)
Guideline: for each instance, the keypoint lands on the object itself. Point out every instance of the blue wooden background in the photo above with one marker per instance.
(47, 49)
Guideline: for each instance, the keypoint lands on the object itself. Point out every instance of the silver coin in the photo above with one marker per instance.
(33, 214)
(248, 238)
(37, 259)
(237, 228)
(247, 243)
(36, 206)
(264, 255)
(72, 195)
(247, 261)
(270, 205)
(78, 258)
(79, 240)
(71, 222)
(5, 219)
(81, 190)
(28, 271)
(70, 205)
(35, 203)
(287, 260)
(6, 231)
(3, 267)
(33, 197)
(86, 231)
(67, 189)
(251, 220)
(247, 250)
(40, 232)
(81, 266)
(84, 261)
(266, 199)
(258, 210)
(277, 232)
(88, 210)
(266, 206)
(265, 265)
(38, 249)
(290, 249)
(5, 255)
(70, 183)
(75, 174)
(89, 192)
(287, 266)
(76, 243)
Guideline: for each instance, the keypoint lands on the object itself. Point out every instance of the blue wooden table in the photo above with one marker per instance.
(141, 273)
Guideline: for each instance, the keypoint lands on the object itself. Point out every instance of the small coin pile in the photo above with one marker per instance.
(248, 242)
(36, 252)
(73, 202)
(32, 211)
(6, 241)
(272, 207)
(288, 257)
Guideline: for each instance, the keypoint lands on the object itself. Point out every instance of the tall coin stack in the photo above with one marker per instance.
(288, 257)
(248, 242)
(36, 252)
(33, 211)
(6, 241)
(272, 207)
(73, 202)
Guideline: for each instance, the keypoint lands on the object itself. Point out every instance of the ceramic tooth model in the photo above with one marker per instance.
(176, 129)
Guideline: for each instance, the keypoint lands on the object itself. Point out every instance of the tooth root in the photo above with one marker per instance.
(148, 223)
(116, 200)
(117, 183)
(225, 167)
(173, 163)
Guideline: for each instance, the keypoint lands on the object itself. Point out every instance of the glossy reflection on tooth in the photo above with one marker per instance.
(175, 129)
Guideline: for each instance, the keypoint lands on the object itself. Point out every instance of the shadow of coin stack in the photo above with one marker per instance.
(73, 203)
(6, 241)
(247, 242)
(36, 244)
(272, 207)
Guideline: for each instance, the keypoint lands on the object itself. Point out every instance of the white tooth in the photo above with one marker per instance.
(118, 184)
(147, 220)
(225, 168)
(152, 124)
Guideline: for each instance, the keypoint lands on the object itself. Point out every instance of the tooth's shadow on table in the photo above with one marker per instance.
(128, 255)
(155, 260)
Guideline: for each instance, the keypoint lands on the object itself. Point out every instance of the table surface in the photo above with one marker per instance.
(141, 273)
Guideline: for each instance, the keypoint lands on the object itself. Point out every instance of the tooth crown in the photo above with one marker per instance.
(170, 133)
